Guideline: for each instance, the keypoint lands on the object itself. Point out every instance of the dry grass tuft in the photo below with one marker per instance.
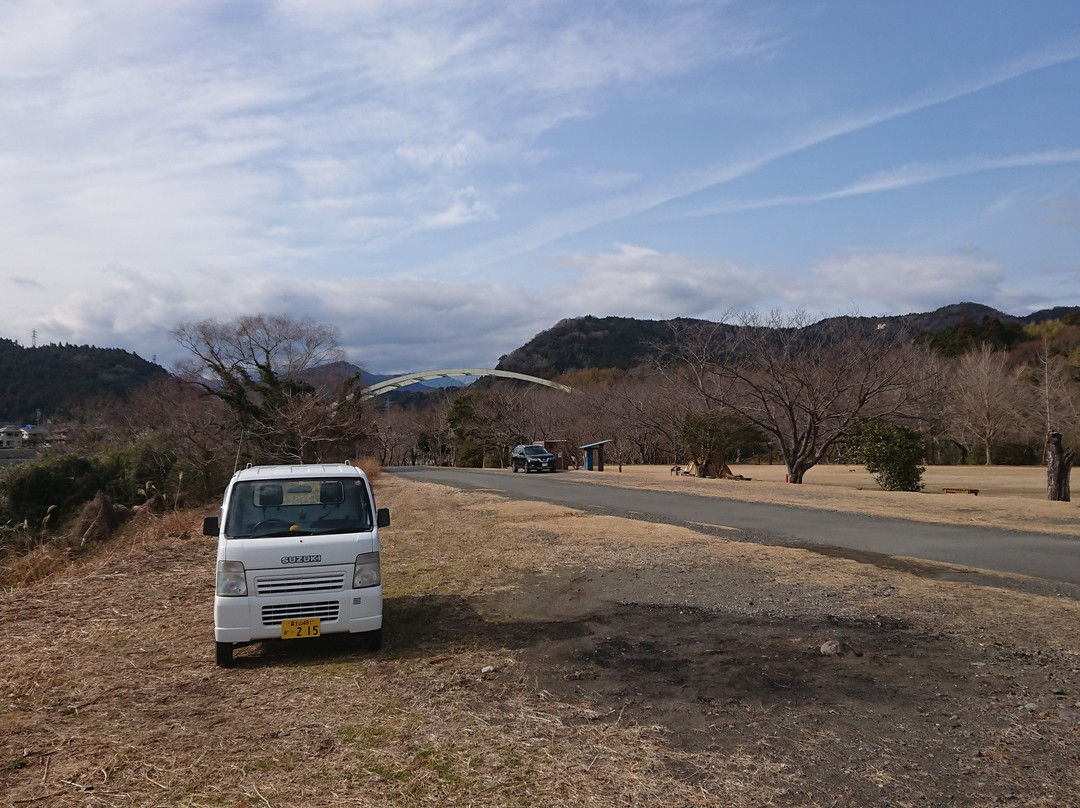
(91, 533)
(97, 521)
(36, 564)
(370, 466)
(1012, 497)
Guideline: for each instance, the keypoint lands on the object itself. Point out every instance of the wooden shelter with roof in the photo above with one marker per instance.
(594, 455)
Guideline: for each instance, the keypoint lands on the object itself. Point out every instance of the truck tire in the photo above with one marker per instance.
(223, 654)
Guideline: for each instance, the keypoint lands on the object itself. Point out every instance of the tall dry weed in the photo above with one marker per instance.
(35, 565)
(369, 465)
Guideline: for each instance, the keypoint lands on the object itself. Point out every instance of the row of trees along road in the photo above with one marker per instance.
(798, 388)
(269, 389)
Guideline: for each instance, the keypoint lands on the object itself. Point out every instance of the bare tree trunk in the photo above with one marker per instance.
(796, 470)
(1059, 461)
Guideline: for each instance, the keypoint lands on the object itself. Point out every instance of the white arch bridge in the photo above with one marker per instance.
(450, 373)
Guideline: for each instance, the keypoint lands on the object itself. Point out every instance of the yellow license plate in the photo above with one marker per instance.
(298, 629)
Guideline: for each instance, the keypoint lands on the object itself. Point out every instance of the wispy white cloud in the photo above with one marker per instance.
(1064, 211)
(908, 176)
(920, 174)
(637, 281)
(899, 283)
(465, 208)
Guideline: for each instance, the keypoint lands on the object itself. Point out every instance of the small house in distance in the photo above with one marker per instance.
(10, 437)
(594, 455)
(562, 454)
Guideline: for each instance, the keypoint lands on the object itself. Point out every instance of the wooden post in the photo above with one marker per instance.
(1059, 462)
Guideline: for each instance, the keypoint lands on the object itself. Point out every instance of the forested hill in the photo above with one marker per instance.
(62, 379)
(624, 342)
(589, 342)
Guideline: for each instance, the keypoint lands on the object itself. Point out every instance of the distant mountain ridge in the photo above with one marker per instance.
(58, 381)
(623, 342)
(337, 372)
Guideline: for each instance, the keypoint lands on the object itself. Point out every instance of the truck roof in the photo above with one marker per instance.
(305, 470)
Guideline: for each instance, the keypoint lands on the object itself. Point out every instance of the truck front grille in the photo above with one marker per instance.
(273, 615)
(285, 585)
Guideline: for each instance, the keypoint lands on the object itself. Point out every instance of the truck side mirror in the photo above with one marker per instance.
(382, 517)
(210, 526)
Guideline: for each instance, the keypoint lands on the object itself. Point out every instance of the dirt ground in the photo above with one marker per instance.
(535, 655)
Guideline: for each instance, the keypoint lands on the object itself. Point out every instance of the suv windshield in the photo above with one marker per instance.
(262, 508)
(535, 450)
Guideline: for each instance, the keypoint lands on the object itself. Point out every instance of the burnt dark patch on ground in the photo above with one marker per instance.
(900, 707)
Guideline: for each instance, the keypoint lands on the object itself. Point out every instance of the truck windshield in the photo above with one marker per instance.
(264, 508)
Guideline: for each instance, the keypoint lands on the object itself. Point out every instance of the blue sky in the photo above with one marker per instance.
(443, 180)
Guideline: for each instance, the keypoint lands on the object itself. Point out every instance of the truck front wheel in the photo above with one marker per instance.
(223, 654)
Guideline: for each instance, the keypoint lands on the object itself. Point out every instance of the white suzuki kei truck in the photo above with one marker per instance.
(297, 556)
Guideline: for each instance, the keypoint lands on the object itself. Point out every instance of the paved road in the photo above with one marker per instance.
(1053, 558)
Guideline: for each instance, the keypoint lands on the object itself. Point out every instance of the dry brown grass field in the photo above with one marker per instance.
(538, 656)
(1009, 496)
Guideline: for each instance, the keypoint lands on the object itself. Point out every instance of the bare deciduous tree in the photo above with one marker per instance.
(803, 386)
(197, 426)
(1054, 374)
(987, 400)
(418, 433)
(649, 415)
(261, 366)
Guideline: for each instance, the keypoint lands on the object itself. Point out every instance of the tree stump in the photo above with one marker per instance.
(1059, 462)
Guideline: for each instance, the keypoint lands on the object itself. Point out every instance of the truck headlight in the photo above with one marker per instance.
(231, 579)
(367, 572)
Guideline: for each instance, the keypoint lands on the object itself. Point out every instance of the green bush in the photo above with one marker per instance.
(893, 454)
(704, 434)
(1018, 454)
(61, 481)
(65, 482)
(470, 455)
